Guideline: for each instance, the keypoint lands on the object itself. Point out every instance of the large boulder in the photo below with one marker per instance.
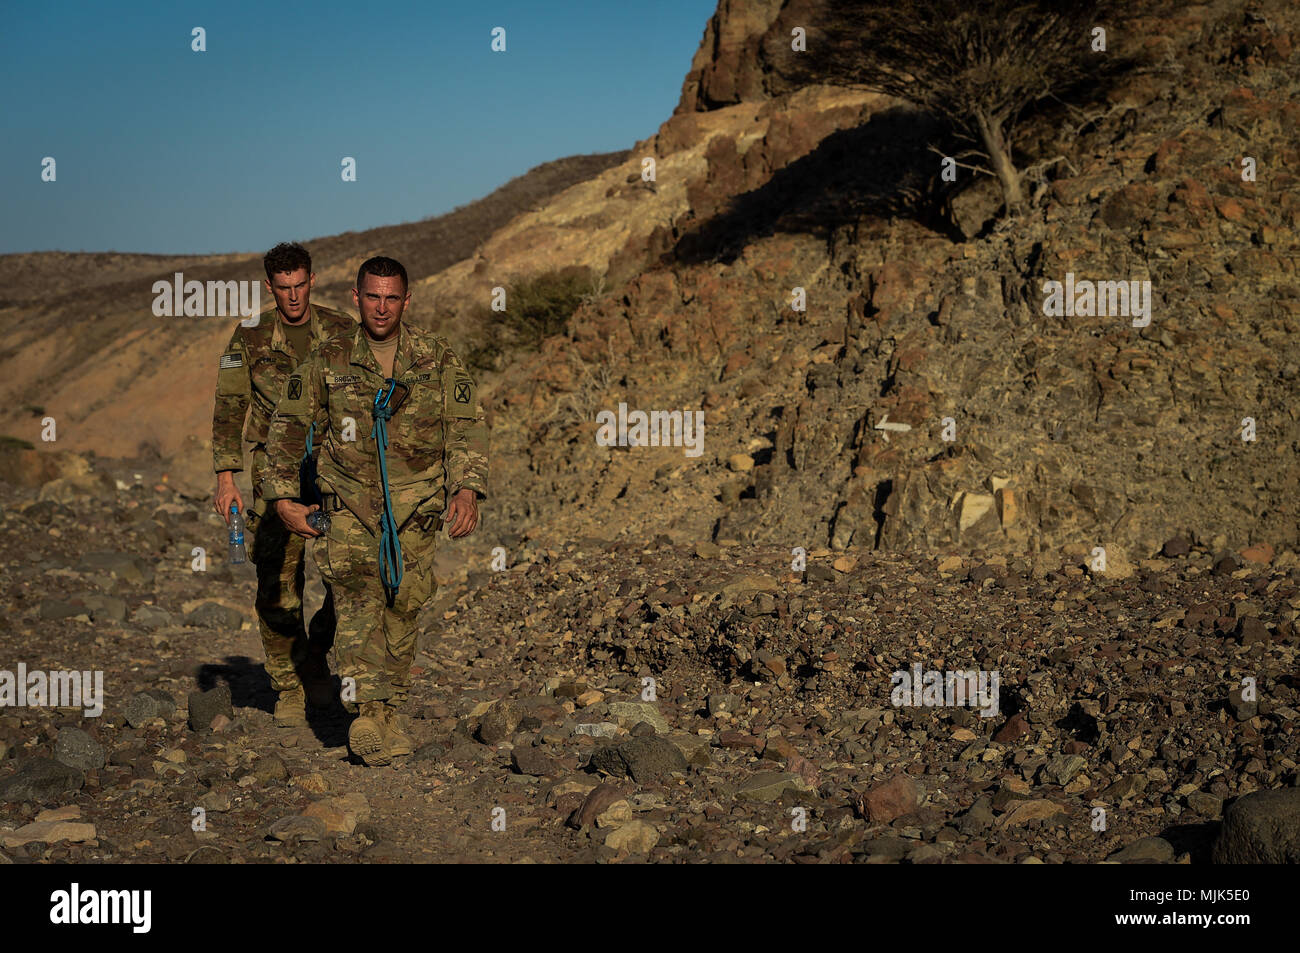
(1261, 828)
(40, 780)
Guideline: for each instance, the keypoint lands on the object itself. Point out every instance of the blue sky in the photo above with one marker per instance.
(165, 150)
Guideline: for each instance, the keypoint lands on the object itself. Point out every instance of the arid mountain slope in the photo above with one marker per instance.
(82, 343)
(1070, 432)
(922, 315)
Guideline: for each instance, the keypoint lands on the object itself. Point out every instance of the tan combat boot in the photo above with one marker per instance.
(397, 741)
(366, 736)
(291, 709)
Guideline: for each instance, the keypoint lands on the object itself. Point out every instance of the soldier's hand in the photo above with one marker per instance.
(294, 517)
(227, 493)
(462, 515)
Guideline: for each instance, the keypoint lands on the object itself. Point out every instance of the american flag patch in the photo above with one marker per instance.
(231, 360)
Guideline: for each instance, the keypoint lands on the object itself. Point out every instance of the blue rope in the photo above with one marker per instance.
(390, 547)
(307, 471)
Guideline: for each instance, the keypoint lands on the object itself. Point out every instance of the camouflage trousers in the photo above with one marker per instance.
(280, 559)
(375, 642)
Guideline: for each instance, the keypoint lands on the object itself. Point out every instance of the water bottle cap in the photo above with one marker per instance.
(234, 507)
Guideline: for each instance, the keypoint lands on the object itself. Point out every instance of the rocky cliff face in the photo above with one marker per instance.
(727, 68)
(1067, 432)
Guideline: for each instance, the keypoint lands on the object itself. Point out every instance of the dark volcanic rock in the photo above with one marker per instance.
(499, 723)
(1242, 710)
(1261, 828)
(1251, 630)
(1146, 850)
(77, 749)
(213, 615)
(146, 705)
(204, 706)
(534, 761)
(649, 758)
(40, 780)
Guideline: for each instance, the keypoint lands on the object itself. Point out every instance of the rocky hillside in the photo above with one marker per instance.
(1074, 432)
(1160, 690)
(81, 342)
(1068, 432)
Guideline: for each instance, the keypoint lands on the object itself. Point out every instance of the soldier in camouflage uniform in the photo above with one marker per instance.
(251, 378)
(436, 460)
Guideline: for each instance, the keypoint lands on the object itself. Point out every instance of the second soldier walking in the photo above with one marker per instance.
(252, 375)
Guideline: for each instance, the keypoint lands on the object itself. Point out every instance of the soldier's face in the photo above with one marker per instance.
(381, 302)
(292, 291)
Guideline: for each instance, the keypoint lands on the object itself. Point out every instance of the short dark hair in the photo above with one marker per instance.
(381, 267)
(286, 256)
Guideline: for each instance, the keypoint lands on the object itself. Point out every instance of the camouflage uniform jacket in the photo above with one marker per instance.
(252, 374)
(437, 441)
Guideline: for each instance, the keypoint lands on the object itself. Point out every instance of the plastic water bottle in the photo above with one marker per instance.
(237, 553)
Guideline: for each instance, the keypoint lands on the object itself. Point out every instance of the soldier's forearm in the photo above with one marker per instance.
(280, 477)
(459, 480)
(225, 463)
(228, 432)
(227, 451)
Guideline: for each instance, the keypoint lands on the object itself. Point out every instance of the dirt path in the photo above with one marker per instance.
(773, 731)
